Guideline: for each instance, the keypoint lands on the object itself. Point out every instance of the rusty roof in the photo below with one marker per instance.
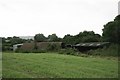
(92, 44)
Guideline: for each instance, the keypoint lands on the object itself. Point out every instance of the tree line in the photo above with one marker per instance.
(85, 36)
(111, 33)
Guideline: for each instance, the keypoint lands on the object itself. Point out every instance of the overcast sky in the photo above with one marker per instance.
(29, 17)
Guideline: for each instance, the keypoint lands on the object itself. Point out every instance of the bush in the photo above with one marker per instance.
(68, 51)
(22, 51)
(112, 50)
(83, 55)
(53, 47)
(30, 51)
(39, 51)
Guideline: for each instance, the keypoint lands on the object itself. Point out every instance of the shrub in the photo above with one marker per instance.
(31, 51)
(22, 51)
(83, 55)
(53, 47)
(112, 50)
(68, 51)
(39, 51)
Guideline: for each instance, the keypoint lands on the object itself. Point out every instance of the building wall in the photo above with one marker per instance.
(16, 46)
(29, 47)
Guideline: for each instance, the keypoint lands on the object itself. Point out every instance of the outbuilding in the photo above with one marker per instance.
(92, 45)
(16, 46)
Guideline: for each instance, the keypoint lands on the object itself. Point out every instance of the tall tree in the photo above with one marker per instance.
(87, 36)
(39, 38)
(68, 39)
(111, 31)
(53, 38)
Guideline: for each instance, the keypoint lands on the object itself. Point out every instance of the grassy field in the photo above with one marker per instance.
(50, 65)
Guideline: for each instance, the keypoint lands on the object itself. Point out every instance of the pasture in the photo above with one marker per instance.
(52, 65)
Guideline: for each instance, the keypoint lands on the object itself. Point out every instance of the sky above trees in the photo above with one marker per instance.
(29, 17)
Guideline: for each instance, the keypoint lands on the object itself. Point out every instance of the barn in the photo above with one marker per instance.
(90, 46)
(28, 47)
(16, 46)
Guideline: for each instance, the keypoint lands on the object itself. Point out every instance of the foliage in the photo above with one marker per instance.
(53, 38)
(53, 47)
(7, 43)
(39, 38)
(31, 51)
(39, 51)
(112, 51)
(68, 51)
(85, 36)
(68, 39)
(111, 31)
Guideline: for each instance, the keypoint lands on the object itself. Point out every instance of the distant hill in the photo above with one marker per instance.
(27, 37)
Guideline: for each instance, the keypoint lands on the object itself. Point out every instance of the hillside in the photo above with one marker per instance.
(50, 65)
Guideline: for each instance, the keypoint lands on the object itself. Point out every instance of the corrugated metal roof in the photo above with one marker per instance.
(92, 44)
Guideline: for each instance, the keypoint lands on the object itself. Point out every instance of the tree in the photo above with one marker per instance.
(68, 39)
(111, 31)
(87, 36)
(39, 38)
(7, 43)
(53, 38)
(16, 40)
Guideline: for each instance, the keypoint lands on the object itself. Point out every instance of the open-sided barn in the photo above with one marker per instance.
(29, 47)
(89, 46)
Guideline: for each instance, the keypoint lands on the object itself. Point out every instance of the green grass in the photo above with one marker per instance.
(50, 65)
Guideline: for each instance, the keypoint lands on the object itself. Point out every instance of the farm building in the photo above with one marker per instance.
(89, 46)
(29, 47)
(16, 46)
(39, 46)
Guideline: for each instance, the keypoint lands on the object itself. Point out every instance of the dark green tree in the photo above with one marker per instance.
(7, 43)
(15, 40)
(68, 39)
(39, 38)
(87, 36)
(111, 31)
(53, 38)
